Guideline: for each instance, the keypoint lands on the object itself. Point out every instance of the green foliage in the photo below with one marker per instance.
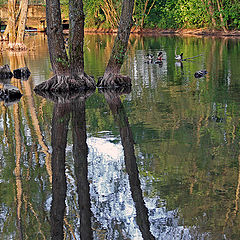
(170, 14)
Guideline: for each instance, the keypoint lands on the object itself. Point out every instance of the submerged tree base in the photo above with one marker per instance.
(113, 81)
(67, 84)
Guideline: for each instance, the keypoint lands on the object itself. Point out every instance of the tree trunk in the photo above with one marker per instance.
(211, 11)
(69, 72)
(111, 78)
(57, 51)
(221, 16)
(11, 5)
(11, 23)
(76, 36)
(22, 24)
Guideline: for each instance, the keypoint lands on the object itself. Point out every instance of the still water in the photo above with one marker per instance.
(160, 162)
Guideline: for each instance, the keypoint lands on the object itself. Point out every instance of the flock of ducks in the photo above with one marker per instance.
(179, 58)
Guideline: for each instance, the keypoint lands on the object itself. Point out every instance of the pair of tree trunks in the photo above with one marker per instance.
(16, 25)
(69, 70)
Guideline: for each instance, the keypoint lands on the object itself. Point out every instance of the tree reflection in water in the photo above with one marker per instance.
(60, 122)
(121, 120)
(75, 105)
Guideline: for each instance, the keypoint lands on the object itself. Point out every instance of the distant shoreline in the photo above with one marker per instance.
(187, 32)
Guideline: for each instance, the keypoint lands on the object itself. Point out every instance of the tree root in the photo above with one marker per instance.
(61, 84)
(113, 81)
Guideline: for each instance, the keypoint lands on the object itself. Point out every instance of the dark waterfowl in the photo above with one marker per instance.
(179, 57)
(200, 73)
(159, 58)
(149, 58)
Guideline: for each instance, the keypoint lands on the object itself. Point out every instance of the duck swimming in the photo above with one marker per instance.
(159, 58)
(200, 73)
(179, 57)
(149, 58)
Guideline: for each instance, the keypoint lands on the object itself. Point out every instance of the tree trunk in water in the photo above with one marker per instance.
(11, 23)
(76, 36)
(22, 24)
(69, 72)
(11, 5)
(111, 76)
(57, 51)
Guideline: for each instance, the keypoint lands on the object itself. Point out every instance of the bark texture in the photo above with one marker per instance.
(76, 36)
(57, 51)
(15, 29)
(112, 78)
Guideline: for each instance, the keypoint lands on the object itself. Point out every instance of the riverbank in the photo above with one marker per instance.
(190, 32)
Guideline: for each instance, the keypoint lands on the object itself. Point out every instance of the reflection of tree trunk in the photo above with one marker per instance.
(121, 119)
(18, 169)
(60, 121)
(80, 153)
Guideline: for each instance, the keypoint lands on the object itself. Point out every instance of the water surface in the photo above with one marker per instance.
(161, 162)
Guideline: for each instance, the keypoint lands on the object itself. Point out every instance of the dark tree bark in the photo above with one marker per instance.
(111, 78)
(61, 116)
(69, 72)
(76, 36)
(80, 153)
(121, 120)
(56, 47)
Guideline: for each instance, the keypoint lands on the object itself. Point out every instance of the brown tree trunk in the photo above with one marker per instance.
(221, 17)
(76, 36)
(11, 23)
(69, 72)
(22, 24)
(211, 11)
(111, 76)
(57, 51)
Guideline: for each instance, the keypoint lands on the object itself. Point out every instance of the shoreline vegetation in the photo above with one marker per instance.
(156, 31)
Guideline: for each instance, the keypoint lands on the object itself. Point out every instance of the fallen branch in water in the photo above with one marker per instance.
(192, 57)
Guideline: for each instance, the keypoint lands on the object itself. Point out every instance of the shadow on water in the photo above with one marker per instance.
(64, 108)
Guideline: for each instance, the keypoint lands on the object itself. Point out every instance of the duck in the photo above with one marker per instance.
(149, 58)
(159, 58)
(179, 57)
(200, 73)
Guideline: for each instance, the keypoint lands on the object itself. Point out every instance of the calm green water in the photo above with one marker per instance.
(181, 180)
